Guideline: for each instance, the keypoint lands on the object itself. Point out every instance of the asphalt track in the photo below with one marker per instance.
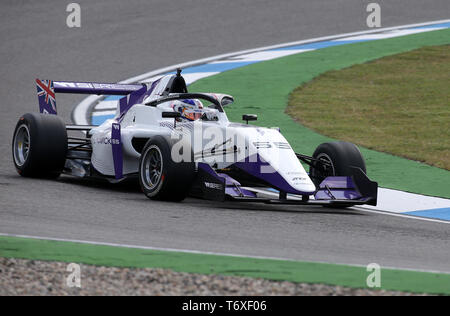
(119, 40)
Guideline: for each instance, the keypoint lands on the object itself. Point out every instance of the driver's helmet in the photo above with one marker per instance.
(190, 109)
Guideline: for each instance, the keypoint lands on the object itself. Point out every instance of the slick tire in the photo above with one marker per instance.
(340, 156)
(160, 177)
(39, 146)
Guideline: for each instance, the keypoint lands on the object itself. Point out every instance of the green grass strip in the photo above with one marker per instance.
(294, 271)
(263, 89)
(403, 100)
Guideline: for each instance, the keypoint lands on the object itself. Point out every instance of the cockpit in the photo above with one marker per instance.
(170, 93)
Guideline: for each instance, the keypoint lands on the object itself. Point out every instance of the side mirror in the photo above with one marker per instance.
(171, 115)
(226, 100)
(249, 117)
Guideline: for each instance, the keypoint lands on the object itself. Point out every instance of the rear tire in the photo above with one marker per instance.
(39, 146)
(160, 177)
(341, 156)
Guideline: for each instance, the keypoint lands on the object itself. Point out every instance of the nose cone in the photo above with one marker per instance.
(272, 160)
(284, 166)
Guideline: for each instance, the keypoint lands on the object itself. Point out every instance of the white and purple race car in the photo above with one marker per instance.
(180, 144)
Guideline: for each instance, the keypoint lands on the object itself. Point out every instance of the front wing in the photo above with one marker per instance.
(338, 191)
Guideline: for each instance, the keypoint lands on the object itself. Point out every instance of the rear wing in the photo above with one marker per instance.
(46, 90)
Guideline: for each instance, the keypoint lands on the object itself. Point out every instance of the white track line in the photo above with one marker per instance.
(364, 208)
(397, 201)
(392, 34)
(95, 243)
(408, 216)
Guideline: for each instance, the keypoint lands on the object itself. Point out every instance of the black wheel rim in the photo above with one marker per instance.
(322, 168)
(152, 167)
(21, 145)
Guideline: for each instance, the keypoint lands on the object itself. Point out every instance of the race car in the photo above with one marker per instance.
(178, 144)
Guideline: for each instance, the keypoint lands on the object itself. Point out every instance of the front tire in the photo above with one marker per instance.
(160, 177)
(39, 147)
(338, 159)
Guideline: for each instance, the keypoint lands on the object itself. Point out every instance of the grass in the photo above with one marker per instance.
(398, 104)
(279, 270)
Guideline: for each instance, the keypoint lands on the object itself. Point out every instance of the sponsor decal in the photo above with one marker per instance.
(215, 186)
(262, 145)
(103, 141)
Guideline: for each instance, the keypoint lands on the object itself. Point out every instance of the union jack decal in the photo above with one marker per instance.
(46, 96)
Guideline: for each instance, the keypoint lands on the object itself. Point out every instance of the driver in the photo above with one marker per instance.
(190, 109)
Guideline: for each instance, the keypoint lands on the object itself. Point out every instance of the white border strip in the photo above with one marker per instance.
(253, 50)
(367, 208)
(408, 216)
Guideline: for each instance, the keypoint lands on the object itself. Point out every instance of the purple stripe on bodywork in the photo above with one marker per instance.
(207, 168)
(96, 88)
(149, 91)
(228, 180)
(117, 152)
(232, 187)
(338, 182)
(258, 168)
(340, 188)
(128, 101)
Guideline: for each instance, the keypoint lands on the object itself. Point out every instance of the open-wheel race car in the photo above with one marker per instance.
(180, 144)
